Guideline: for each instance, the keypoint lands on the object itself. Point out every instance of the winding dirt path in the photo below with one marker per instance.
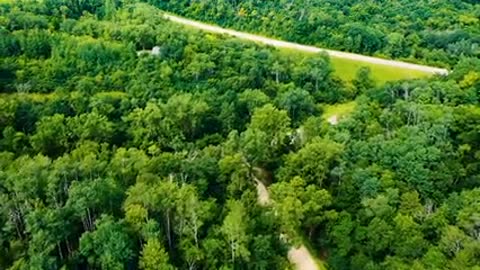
(300, 257)
(304, 48)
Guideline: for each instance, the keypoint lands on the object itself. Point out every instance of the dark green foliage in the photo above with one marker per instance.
(114, 158)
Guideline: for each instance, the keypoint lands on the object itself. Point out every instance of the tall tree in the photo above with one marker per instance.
(234, 228)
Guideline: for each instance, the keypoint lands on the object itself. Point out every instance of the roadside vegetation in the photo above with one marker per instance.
(437, 33)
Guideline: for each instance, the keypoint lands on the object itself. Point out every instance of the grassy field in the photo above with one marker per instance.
(340, 110)
(346, 69)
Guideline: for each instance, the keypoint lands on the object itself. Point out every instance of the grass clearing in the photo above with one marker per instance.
(340, 110)
(346, 69)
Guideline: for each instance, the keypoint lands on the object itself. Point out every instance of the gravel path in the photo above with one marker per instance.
(296, 46)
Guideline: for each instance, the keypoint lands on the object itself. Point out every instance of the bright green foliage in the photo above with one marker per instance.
(180, 119)
(312, 162)
(51, 136)
(266, 135)
(154, 257)
(91, 126)
(234, 229)
(300, 206)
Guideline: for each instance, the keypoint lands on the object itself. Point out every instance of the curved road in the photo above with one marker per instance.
(304, 48)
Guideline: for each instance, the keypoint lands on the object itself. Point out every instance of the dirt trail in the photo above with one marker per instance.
(304, 48)
(298, 256)
(301, 258)
(263, 195)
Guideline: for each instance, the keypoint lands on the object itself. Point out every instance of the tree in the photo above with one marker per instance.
(91, 126)
(154, 257)
(314, 71)
(51, 136)
(237, 172)
(87, 199)
(186, 115)
(266, 134)
(12, 140)
(253, 99)
(127, 164)
(111, 158)
(313, 162)
(298, 103)
(159, 198)
(410, 243)
(396, 45)
(363, 80)
(199, 67)
(469, 215)
(341, 232)
(234, 229)
(300, 206)
(109, 246)
(110, 7)
(191, 215)
(145, 125)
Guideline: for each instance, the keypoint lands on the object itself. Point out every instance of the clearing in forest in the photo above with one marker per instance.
(345, 64)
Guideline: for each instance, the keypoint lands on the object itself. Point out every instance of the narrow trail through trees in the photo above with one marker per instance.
(298, 256)
(305, 48)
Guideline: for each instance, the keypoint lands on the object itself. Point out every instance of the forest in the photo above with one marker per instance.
(114, 157)
(425, 31)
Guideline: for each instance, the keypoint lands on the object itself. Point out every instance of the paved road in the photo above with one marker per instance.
(304, 48)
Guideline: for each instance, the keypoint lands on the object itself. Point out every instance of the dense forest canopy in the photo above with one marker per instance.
(115, 158)
(434, 32)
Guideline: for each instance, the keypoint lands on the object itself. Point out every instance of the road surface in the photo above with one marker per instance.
(304, 48)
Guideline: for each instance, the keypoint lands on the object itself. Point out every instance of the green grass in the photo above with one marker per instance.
(340, 110)
(346, 69)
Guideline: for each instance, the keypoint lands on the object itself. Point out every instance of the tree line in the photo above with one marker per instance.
(437, 33)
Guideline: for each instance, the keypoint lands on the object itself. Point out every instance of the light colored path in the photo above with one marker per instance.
(262, 193)
(304, 48)
(300, 257)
